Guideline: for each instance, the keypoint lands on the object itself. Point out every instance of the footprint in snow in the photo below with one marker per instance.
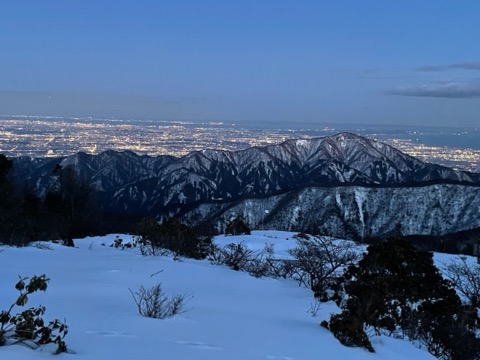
(109, 333)
(199, 345)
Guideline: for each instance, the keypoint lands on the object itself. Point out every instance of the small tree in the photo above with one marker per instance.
(237, 226)
(147, 231)
(5, 184)
(397, 290)
(8, 217)
(71, 203)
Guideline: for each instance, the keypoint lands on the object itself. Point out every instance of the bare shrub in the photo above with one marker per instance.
(235, 256)
(240, 258)
(465, 278)
(318, 261)
(264, 263)
(314, 308)
(155, 303)
(171, 238)
(149, 248)
(258, 263)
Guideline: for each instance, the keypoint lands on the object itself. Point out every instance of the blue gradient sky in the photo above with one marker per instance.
(349, 61)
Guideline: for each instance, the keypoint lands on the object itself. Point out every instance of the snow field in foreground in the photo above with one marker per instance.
(231, 315)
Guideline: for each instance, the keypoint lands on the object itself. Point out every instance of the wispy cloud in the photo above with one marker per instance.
(474, 65)
(452, 90)
(381, 77)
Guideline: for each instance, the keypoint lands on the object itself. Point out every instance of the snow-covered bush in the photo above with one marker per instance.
(155, 303)
(28, 327)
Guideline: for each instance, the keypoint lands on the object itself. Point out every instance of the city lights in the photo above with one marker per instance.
(50, 136)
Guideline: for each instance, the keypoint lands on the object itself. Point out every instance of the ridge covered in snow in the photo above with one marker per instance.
(204, 185)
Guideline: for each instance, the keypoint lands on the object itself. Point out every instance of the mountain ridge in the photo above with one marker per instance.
(166, 185)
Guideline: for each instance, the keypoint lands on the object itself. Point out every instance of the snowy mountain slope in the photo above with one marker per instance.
(355, 212)
(284, 179)
(343, 159)
(231, 315)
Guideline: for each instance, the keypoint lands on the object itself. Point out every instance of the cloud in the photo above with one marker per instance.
(474, 65)
(381, 77)
(452, 90)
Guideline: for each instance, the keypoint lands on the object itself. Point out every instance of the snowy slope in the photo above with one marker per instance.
(356, 212)
(232, 316)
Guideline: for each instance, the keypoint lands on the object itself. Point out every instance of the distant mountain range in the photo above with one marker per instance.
(344, 185)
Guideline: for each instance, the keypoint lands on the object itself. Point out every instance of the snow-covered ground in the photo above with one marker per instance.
(231, 315)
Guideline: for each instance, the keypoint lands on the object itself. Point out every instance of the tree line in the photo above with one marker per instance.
(68, 209)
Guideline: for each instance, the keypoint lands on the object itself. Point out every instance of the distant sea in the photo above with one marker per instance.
(451, 137)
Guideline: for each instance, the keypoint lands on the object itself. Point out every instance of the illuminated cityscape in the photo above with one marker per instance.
(51, 136)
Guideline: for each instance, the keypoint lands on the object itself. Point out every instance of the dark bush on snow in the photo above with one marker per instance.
(28, 326)
(398, 291)
(171, 237)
